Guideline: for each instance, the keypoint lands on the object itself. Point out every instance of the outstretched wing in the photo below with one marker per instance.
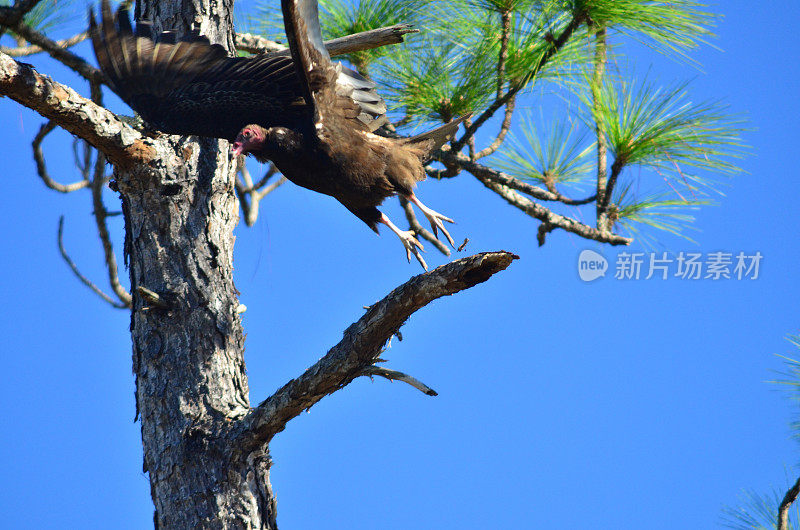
(191, 86)
(328, 87)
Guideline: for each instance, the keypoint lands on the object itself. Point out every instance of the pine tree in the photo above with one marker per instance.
(561, 126)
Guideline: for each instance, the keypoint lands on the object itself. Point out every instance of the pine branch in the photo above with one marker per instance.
(100, 127)
(366, 40)
(600, 58)
(558, 43)
(23, 51)
(786, 503)
(53, 48)
(14, 15)
(362, 344)
(463, 162)
(502, 184)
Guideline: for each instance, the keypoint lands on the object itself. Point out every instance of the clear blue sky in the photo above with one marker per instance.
(562, 404)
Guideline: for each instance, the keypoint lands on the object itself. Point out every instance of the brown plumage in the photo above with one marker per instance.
(314, 119)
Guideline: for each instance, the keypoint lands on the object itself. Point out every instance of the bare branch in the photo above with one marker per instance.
(786, 503)
(501, 136)
(250, 195)
(86, 281)
(271, 172)
(56, 51)
(247, 42)
(244, 191)
(41, 167)
(366, 40)
(272, 187)
(394, 375)
(362, 344)
(418, 229)
(14, 14)
(121, 143)
(100, 214)
(23, 51)
(556, 46)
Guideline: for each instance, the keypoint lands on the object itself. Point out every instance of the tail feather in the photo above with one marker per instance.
(438, 136)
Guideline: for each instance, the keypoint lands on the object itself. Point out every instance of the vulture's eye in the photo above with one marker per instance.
(247, 134)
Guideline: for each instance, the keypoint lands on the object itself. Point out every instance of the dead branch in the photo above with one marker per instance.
(250, 195)
(41, 167)
(86, 281)
(56, 51)
(271, 172)
(100, 214)
(33, 49)
(786, 503)
(366, 40)
(247, 42)
(418, 229)
(121, 143)
(394, 375)
(362, 344)
(14, 14)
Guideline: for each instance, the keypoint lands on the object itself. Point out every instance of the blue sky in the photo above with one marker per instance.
(562, 404)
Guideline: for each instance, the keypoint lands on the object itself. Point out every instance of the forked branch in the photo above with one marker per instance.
(86, 281)
(55, 49)
(362, 344)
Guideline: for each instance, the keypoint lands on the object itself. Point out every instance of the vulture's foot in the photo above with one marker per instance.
(435, 219)
(410, 242)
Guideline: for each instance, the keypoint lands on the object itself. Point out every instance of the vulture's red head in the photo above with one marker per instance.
(250, 138)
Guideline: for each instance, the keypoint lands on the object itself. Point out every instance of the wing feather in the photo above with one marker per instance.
(190, 86)
(328, 88)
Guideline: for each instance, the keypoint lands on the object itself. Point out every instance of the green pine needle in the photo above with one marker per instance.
(659, 211)
(561, 154)
(757, 512)
(661, 129)
(671, 27)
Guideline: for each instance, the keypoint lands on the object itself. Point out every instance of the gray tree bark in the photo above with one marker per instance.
(188, 345)
(205, 449)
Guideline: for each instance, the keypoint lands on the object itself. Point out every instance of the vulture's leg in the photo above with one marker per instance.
(435, 218)
(409, 241)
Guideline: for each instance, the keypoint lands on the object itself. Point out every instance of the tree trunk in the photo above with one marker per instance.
(188, 344)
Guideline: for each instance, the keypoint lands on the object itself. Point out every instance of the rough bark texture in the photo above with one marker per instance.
(188, 345)
(205, 449)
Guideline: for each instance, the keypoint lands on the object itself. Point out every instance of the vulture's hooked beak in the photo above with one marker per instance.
(237, 148)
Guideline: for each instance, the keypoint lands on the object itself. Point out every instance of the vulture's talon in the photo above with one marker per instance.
(434, 218)
(412, 246)
(436, 225)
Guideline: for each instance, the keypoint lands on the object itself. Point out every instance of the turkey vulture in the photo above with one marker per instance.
(314, 119)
